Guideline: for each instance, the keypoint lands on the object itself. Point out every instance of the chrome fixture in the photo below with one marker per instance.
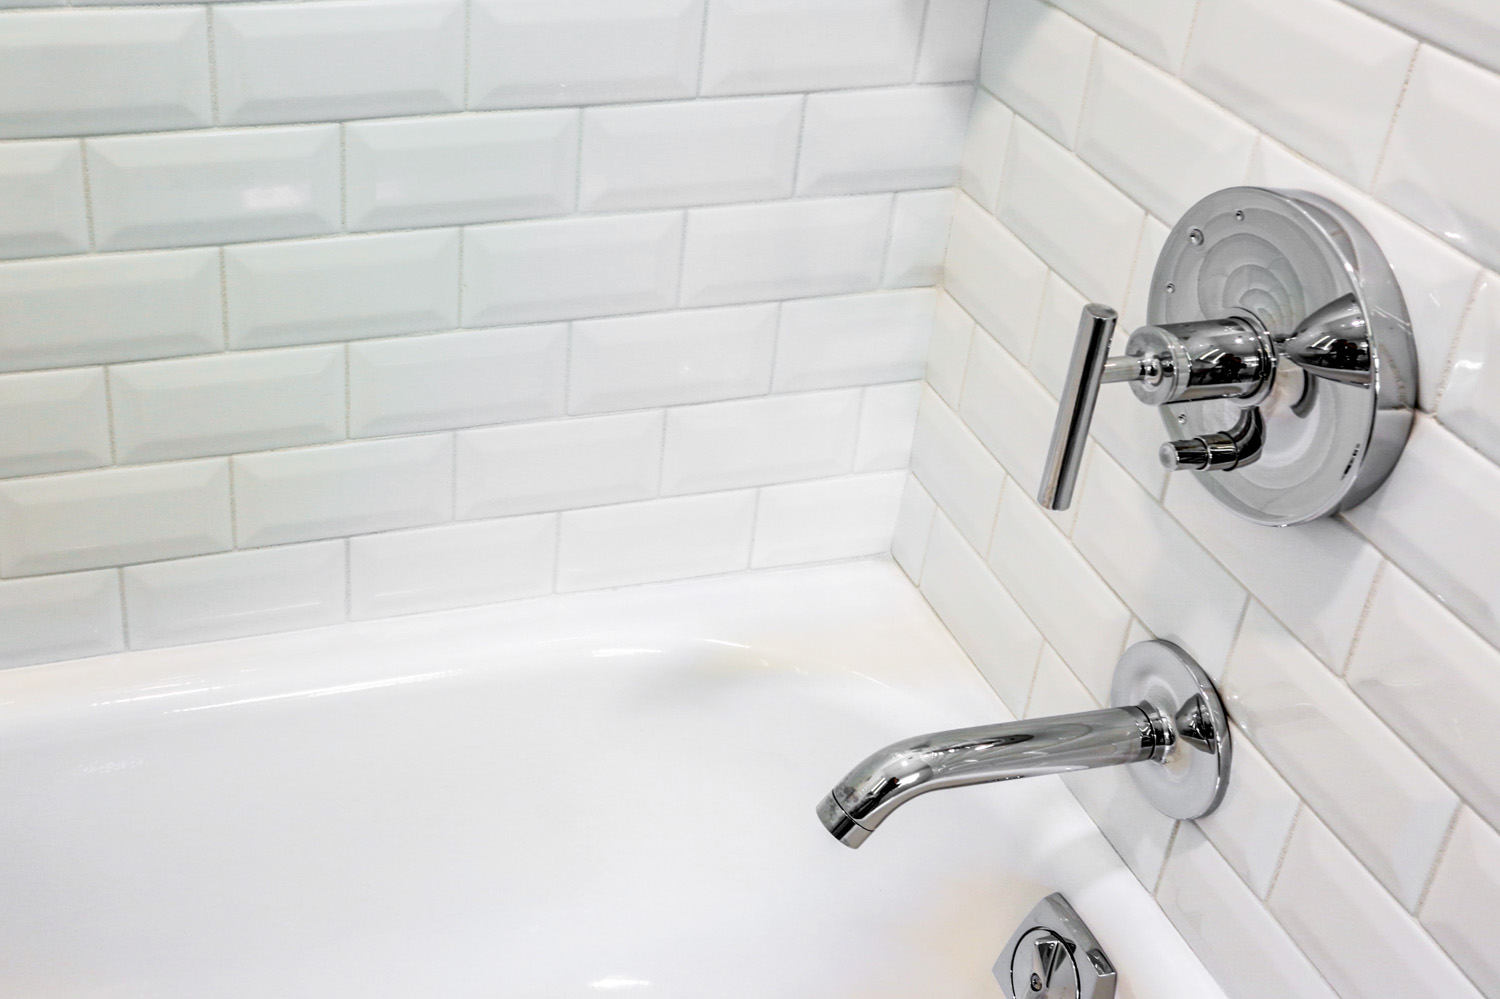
(1167, 718)
(1279, 350)
(1052, 955)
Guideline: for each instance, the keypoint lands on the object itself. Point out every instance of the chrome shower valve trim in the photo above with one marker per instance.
(1278, 348)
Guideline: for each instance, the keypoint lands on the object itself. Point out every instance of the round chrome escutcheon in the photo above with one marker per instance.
(1280, 257)
(1190, 781)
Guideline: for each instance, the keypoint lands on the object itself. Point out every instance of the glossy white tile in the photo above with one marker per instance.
(1076, 611)
(60, 617)
(196, 406)
(1036, 59)
(789, 249)
(887, 421)
(1463, 905)
(672, 358)
(1314, 577)
(1238, 940)
(342, 489)
(1435, 518)
(1372, 790)
(754, 46)
(951, 37)
(1469, 27)
(558, 464)
(985, 141)
(1156, 567)
(856, 141)
(1008, 410)
(335, 59)
(88, 520)
(690, 152)
(41, 199)
(524, 272)
(1069, 215)
(122, 307)
(1471, 399)
(1433, 170)
(994, 276)
(659, 539)
(53, 421)
(146, 69)
(1156, 29)
(1194, 148)
(180, 189)
(1435, 682)
(410, 384)
(919, 238)
(990, 626)
(346, 288)
(452, 565)
(848, 517)
(1251, 825)
(233, 594)
(751, 442)
(913, 524)
(411, 172)
(1326, 78)
(1056, 330)
(948, 355)
(532, 53)
(1373, 948)
(957, 470)
(853, 340)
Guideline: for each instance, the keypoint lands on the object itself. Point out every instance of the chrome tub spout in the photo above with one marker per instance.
(1167, 717)
(898, 773)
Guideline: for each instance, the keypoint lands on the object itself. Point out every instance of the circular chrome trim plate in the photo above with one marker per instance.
(1190, 780)
(1278, 257)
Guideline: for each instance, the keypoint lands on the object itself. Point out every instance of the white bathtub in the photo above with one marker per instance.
(604, 794)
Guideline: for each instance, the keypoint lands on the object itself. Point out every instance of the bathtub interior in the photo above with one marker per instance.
(599, 794)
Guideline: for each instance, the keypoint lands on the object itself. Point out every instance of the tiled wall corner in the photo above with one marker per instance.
(1357, 851)
(349, 308)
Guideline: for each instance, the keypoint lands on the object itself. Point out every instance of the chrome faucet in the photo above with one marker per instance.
(1168, 715)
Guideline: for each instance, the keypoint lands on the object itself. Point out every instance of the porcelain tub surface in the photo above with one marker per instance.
(599, 794)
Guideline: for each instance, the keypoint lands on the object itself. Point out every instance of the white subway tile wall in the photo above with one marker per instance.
(1357, 853)
(349, 308)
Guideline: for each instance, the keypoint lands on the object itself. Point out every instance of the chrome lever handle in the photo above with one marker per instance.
(1096, 326)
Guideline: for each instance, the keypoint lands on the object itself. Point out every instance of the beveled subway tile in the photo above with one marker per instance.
(845, 517)
(1036, 59)
(41, 199)
(671, 358)
(762, 46)
(1373, 948)
(1435, 682)
(120, 307)
(1363, 781)
(1463, 906)
(1069, 215)
(994, 276)
(337, 59)
(449, 380)
(887, 424)
(68, 616)
(535, 53)
(88, 520)
(957, 470)
(919, 238)
(853, 340)
(453, 170)
(196, 406)
(857, 141)
(53, 421)
(751, 442)
(675, 538)
(187, 188)
(1158, 30)
(233, 594)
(147, 70)
(347, 288)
